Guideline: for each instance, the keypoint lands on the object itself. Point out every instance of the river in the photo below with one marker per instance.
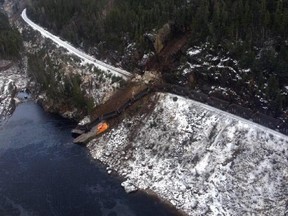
(43, 173)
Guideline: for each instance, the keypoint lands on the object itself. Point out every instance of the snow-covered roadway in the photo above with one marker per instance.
(87, 58)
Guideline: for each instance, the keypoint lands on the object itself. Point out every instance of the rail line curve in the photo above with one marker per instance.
(89, 59)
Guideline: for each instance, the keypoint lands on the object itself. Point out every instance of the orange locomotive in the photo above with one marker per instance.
(101, 127)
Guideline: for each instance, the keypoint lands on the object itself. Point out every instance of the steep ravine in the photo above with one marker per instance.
(200, 159)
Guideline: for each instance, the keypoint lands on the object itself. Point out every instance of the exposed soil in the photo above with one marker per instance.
(143, 105)
(202, 79)
(165, 60)
(117, 99)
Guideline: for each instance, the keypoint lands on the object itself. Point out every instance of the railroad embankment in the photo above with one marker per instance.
(198, 158)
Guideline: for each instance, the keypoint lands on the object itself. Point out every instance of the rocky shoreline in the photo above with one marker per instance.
(13, 79)
(200, 159)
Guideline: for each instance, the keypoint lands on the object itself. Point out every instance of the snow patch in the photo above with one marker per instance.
(193, 51)
(199, 158)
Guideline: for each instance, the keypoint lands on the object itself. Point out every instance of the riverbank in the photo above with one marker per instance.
(43, 173)
(200, 159)
(13, 79)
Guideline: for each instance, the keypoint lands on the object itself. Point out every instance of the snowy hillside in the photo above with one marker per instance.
(12, 80)
(202, 160)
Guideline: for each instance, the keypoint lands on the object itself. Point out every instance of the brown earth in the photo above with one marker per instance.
(117, 99)
(165, 60)
(144, 106)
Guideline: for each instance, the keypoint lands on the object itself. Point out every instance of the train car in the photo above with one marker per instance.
(110, 115)
(218, 103)
(265, 120)
(102, 127)
(240, 111)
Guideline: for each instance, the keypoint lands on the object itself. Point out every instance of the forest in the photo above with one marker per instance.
(10, 39)
(240, 26)
(255, 32)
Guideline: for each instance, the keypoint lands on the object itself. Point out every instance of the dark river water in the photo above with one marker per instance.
(43, 173)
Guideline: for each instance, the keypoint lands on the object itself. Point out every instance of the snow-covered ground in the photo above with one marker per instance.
(219, 74)
(11, 81)
(87, 58)
(204, 161)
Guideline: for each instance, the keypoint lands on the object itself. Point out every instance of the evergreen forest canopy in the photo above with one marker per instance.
(253, 21)
(10, 39)
(255, 32)
(238, 25)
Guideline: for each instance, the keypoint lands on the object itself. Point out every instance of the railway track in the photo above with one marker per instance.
(82, 129)
(82, 55)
